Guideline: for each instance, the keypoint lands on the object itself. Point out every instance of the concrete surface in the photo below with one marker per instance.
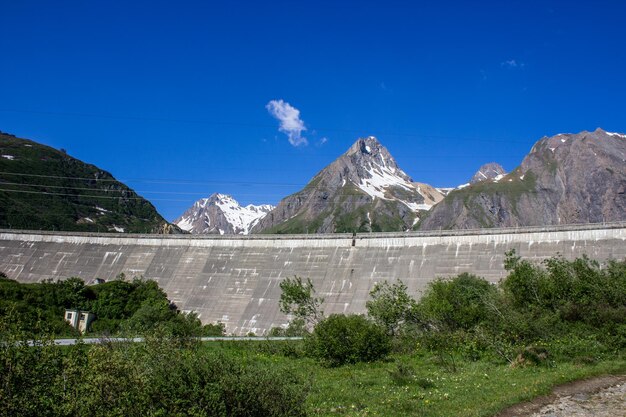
(235, 280)
(99, 340)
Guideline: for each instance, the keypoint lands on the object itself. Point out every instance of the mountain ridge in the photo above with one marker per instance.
(566, 178)
(45, 188)
(221, 214)
(362, 190)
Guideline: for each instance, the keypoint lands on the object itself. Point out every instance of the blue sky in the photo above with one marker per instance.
(173, 98)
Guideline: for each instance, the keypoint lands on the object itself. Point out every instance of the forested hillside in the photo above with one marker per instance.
(42, 188)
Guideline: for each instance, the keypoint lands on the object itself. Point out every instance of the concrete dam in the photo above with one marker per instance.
(235, 279)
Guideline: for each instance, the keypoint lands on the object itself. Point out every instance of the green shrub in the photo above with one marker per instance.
(562, 298)
(459, 303)
(161, 377)
(262, 391)
(341, 339)
(390, 306)
(296, 328)
(288, 348)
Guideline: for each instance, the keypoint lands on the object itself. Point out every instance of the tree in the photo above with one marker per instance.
(297, 298)
(390, 305)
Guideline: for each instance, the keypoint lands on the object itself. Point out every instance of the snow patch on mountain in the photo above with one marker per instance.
(241, 218)
(619, 135)
(365, 179)
(445, 190)
(381, 177)
(221, 213)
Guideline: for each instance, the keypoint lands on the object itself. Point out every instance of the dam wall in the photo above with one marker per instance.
(235, 279)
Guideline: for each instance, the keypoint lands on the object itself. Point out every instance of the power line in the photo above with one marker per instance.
(21, 184)
(149, 181)
(89, 196)
(252, 125)
(341, 192)
(342, 203)
(179, 181)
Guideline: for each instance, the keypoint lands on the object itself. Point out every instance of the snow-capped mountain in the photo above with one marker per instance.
(221, 214)
(362, 190)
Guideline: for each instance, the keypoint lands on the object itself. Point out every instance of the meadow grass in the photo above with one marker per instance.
(418, 384)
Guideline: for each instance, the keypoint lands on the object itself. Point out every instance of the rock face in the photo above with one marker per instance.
(567, 178)
(491, 171)
(363, 190)
(45, 188)
(221, 214)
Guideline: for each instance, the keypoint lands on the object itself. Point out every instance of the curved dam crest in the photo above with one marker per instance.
(235, 279)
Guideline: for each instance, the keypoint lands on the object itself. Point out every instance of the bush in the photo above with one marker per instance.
(341, 339)
(296, 328)
(561, 298)
(261, 391)
(161, 377)
(390, 306)
(459, 303)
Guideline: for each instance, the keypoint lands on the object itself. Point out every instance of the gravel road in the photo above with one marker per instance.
(598, 397)
(609, 402)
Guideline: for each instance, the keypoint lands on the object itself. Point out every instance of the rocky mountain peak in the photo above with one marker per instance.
(565, 179)
(489, 171)
(367, 162)
(221, 213)
(363, 189)
(367, 146)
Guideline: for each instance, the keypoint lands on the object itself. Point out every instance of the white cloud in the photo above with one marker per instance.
(322, 141)
(511, 63)
(290, 122)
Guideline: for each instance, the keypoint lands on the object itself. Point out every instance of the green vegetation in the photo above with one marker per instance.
(455, 350)
(467, 348)
(353, 221)
(340, 339)
(349, 213)
(132, 307)
(511, 189)
(383, 217)
(297, 298)
(514, 188)
(45, 188)
(391, 306)
(297, 225)
(458, 304)
(161, 377)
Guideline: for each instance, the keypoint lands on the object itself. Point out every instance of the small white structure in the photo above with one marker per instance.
(79, 319)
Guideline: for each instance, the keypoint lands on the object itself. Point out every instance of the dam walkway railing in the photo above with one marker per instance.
(373, 235)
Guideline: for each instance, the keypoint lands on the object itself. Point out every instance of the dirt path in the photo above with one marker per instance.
(598, 397)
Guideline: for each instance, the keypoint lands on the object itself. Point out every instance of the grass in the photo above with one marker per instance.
(480, 388)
